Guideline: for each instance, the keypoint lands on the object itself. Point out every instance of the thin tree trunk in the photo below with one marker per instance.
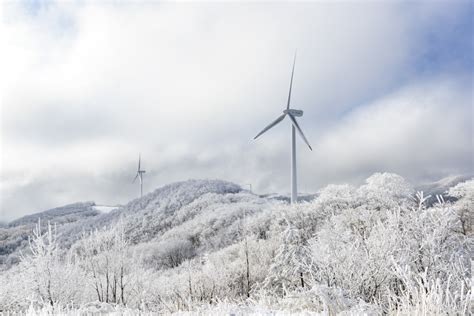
(189, 281)
(248, 266)
(122, 285)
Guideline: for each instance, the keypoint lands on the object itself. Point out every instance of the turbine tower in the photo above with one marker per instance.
(292, 114)
(140, 176)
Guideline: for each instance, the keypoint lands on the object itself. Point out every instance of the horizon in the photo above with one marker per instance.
(385, 87)
(242, 186)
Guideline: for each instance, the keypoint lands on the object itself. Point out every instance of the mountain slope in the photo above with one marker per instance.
(188, 212)
(440, 187)
(14, 236)
(190, 217)
(145, 217)
(64, 214)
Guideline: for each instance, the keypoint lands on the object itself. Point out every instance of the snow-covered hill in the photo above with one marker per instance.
(186, 206)
(64, 214)
(145, 218)
(14, 236)
(200, 242)
(442, 186)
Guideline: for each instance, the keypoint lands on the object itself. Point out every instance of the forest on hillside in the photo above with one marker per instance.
(211, 247)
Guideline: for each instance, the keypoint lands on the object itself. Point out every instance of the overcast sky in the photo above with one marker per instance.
(385, 86)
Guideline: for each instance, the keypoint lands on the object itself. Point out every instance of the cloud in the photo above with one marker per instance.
(88, 86)
(421, 131)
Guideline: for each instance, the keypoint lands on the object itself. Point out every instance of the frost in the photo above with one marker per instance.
(208, 247)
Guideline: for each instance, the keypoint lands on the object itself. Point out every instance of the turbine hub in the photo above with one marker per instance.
(294, 112)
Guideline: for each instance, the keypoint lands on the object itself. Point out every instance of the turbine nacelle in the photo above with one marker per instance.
(293, 112)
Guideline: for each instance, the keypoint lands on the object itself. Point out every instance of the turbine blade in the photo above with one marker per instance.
(293, 120)
(275, 122)
(135, 178)
(291, 82)
(139, 158)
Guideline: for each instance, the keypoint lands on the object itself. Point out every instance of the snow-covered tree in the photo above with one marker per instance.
(46, 269)
(464, 206)
(292, 262)
(105, 258)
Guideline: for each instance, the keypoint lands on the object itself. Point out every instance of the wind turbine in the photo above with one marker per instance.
(140, 176)
(292, 114)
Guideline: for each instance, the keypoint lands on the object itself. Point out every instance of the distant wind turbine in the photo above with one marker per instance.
(292, 114)
(139, 175)
(250, 187)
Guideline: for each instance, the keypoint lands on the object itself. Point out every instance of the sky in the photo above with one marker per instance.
(87, 86)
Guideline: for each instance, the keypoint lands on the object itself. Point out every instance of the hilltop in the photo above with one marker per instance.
(146, 218)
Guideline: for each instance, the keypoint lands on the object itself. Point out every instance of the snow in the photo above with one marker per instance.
(105, 208)
(203, 246)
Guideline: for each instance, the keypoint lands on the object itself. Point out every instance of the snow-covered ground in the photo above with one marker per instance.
(105, 208)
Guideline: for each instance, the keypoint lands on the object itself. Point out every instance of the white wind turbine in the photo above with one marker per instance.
(140, 176)
(292, 114)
